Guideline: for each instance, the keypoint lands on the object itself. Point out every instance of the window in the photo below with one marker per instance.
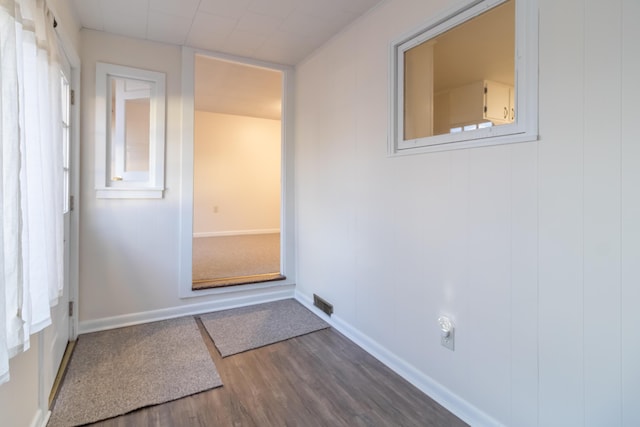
(66, 130)
(467, 78)
(130, 124)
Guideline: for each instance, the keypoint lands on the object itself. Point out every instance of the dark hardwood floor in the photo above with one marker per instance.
(320, 379)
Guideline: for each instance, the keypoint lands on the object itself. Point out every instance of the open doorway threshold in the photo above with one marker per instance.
(237, 280)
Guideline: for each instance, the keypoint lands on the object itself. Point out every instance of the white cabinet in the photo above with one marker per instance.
(498, 103)
(479, 102)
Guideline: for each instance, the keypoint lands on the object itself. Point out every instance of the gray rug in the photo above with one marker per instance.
(241, 329)
(117, 371)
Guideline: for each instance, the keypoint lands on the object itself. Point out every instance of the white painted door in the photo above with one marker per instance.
(56, 336)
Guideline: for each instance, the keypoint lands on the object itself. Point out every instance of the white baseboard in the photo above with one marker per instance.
(40, 419)
(235, 232)
(223, 303)
(452, 402)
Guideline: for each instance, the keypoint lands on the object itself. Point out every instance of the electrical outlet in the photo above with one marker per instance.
(447, 333)
(449, 341)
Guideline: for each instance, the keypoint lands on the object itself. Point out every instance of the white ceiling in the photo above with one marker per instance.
(281, 31)
(232, 88)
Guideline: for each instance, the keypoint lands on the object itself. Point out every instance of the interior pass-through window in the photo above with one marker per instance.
(467, 79)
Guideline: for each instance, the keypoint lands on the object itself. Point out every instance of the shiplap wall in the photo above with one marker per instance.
(630, 226)
(533, 249)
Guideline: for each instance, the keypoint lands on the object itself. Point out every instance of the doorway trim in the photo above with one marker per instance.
(75, 63)
(287, 213)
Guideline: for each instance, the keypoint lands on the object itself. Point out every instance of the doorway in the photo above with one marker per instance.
(237, 179)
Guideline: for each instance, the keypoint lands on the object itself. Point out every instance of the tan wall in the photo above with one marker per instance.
(68, 24)
(418, 93)
(236, 174)
(19, 400)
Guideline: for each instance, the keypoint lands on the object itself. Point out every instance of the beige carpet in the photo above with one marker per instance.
(117, 371)
(245, 328)
(217, 259)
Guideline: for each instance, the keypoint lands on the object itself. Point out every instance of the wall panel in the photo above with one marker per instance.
(236, 174)
(602, 96)
(630, 242)
(524, 284)
(561, 202)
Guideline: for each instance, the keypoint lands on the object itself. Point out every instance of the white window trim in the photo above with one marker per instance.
(153, 187)
(525, 127)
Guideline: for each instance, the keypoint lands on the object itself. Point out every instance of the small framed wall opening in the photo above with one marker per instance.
(130, 132)
(467, 78)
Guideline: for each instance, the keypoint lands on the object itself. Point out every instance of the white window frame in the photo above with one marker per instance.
(65, 127)
(525, 125)
(107, 185)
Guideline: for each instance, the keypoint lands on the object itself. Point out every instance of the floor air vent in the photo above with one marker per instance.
(322, 304)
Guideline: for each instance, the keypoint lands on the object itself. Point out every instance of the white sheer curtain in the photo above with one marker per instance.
(31, 232)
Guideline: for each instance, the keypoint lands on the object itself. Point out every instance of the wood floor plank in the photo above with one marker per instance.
(319, 379)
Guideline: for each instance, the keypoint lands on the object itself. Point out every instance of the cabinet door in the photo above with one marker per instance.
(496, 102)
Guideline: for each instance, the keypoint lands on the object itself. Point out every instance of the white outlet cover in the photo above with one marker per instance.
(449, 341)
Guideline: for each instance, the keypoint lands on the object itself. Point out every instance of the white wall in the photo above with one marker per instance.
(236, 174)
(531, 248)
(130, 249)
